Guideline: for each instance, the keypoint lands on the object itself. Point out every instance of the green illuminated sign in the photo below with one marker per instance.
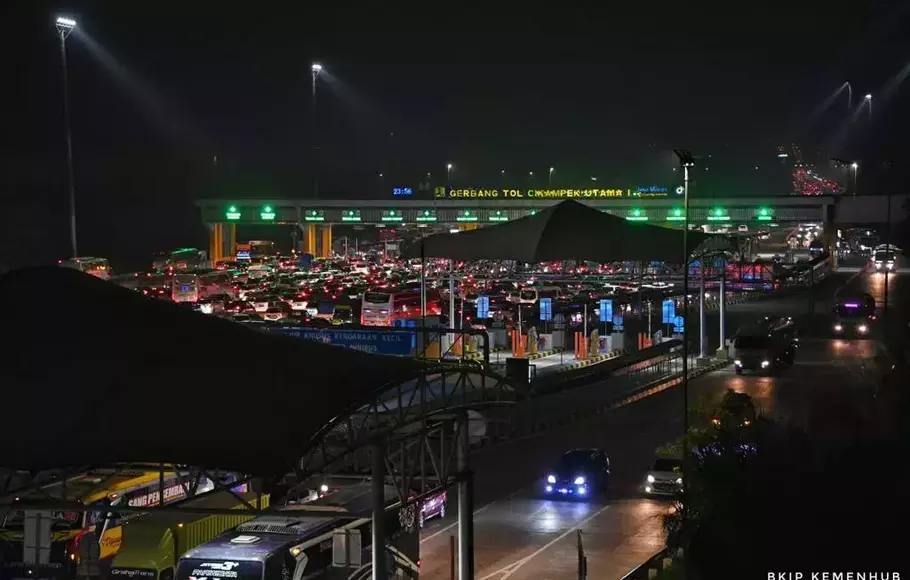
(426, 216)
(498, 216)
(718, 214)
(676, 215)
(267, 213)
(312, 215)
(764, 214)
(232, 213)
(392, 215)
(349, 215)
(636, 215)
(466, 216)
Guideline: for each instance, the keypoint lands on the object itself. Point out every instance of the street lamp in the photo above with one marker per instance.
(687, 162)
(449, 168)
(64, 27)
(315, 69)
(855, 167)
(550, 177)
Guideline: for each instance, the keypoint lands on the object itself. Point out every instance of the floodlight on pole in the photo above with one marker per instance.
(64, 27)
(868, 96)
(315, 69)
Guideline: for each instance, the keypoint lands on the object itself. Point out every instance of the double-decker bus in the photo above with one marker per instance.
(384, 308)
(73, 535)
(299, 541)
(185, 287)
(98, 267)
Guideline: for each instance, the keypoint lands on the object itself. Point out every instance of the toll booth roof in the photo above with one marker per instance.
(104, 375)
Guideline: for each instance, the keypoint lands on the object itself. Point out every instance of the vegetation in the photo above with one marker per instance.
(761, 496)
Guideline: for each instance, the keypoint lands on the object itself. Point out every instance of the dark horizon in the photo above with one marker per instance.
(216, 103)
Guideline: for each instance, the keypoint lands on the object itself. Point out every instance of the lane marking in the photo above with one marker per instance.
(477, 511)
(507, 571)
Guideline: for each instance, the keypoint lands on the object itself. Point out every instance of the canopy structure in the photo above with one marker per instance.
(96, 375)
(567, 231)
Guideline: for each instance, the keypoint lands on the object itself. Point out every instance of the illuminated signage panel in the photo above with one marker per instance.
(591, 193)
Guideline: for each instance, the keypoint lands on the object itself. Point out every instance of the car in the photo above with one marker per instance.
(578, 473)
(664, 477)
(276, 312)
(432, 506)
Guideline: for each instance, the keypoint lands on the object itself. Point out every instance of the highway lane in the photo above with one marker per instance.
(521, 535)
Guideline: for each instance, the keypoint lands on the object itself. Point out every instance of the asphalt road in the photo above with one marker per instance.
(521, 535)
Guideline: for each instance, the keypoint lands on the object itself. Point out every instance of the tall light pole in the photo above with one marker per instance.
(449, 168)
(315, 69)
(687, 161)
(64, 27)
(868, 99)
(550, 177)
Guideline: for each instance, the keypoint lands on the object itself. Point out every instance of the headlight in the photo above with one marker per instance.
(765, 364)
(650, 479)
(579, 480)
(679, 480)
(738, 362)
(862, 328)
(838, 328)
(551, 479)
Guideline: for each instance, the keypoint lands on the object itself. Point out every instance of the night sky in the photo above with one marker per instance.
(177, 101)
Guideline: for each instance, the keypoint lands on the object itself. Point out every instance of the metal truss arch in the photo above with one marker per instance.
(404, 411)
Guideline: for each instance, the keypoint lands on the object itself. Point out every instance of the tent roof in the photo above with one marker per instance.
(569, 230)
(95, 374)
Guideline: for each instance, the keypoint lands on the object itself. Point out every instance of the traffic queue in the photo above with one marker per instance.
(369, 289)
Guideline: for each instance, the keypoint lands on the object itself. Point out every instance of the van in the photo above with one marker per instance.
(766, 347)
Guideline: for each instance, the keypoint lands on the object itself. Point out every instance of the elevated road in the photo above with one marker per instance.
(521, 535)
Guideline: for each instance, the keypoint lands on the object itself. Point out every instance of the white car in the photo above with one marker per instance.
(298, 304)
(742, 228)
(664, 477)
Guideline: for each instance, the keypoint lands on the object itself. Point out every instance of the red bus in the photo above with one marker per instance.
(383, 308)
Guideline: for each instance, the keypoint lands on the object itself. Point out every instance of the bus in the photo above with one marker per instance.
(301, 541)
(219, 282)
(186, 259)
(151, 544)
(383, 308)
(73, 535)
(185, 288)
(98, 267)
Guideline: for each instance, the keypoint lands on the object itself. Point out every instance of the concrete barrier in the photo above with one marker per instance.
(562, 408)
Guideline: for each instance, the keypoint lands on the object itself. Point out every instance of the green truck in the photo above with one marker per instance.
(151, 545)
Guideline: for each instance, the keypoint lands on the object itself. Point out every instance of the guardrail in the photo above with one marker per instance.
(649, 568)
(560, 408)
